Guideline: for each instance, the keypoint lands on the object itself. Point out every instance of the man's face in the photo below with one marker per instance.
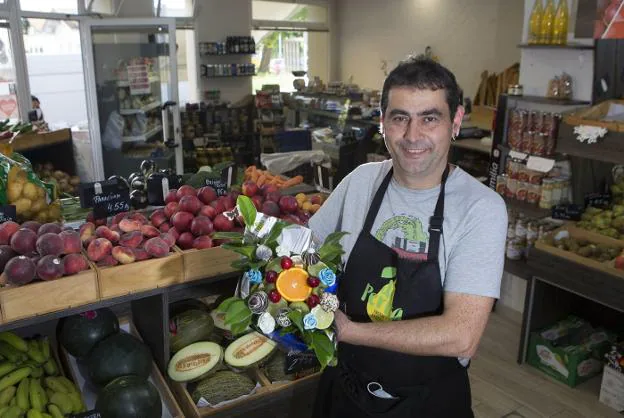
(417, 130)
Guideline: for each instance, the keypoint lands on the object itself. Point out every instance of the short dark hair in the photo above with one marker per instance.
(423, 73)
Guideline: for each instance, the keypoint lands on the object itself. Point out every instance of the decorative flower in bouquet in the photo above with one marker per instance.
(288, 290)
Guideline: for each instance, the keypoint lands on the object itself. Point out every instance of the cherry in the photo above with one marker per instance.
(312, 301)
(271, 276)
(313, 281)
(286, 263)
(275, 297)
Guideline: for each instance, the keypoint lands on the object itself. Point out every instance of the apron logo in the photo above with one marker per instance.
(379, 305)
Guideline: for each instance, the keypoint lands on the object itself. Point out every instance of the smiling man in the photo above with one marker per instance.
(424, 260)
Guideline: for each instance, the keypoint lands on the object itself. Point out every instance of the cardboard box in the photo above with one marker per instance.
(571, 351)
(612, 389)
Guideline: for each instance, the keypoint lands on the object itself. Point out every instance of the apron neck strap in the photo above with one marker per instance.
(436, 221)
(376, 203)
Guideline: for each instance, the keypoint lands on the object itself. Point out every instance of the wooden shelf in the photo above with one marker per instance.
(528, 209)
(554, 46)
(229, 76)
(33, 141)
(549, 101)
(519, 268)
(473, 144)
(228, 54)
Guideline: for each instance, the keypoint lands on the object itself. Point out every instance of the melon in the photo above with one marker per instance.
(249, 350)
(189, 327)
(79, 333)
(176, 308)
(129, 397)
(118, 355)
(275, 369)
(195, 361)
(223, 386)
(218, 319)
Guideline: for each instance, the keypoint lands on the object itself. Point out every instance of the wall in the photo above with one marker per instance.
(468, 36)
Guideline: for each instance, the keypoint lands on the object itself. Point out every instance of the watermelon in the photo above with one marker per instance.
(80, 333)
(129, 397)
(195, 362)
(189, 327)
(118, 355)
(249, 350)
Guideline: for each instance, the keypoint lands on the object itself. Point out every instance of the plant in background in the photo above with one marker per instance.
(290, 297)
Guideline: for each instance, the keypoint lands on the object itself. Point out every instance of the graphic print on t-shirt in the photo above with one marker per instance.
(405, 235)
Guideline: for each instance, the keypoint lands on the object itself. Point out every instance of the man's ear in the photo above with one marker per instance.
(457, 119)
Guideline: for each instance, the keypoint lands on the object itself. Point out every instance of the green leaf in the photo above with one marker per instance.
(323, 348)
(240, 327)
(330, 252)
(246, 250)
(228, 235)
(237, 312)
(247, 209)
(335, 237)
(388, 273)
(225, 305)
(242, 264)
(297, 319)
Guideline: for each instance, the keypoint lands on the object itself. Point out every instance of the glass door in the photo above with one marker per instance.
(132, 92)
(9, 108)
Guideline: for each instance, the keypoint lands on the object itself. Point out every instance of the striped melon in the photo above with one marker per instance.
(276, 367)
(189, 327)
(223, 386)
(195, 362)
(249, 350)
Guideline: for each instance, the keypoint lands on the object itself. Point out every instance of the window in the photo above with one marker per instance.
(99, 6)
(8, 96)
(174, 8)
(49, 6)
(187, 66)
(288, 12)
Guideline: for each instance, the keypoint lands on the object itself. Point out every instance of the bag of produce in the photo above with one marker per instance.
(19, 186)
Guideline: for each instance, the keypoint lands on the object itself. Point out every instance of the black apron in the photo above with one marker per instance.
(419, 386)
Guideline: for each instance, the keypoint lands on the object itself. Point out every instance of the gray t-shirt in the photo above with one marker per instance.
(472, 246)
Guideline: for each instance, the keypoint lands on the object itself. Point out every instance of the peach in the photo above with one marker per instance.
(185, 241)
(218, 206)
(115, 228)
(171, 196)
(223, 224)
(201, 225)
(53, 228)
(206, 194)
(24, 241)
(85, 244)
(150, 231)
(171, 208)
(207, 211)
(7, 253)
(175, 233)
(71, 242)
(203, 242)
(75, 263)
(105, 232)
(168, 238)
(158, 217)
(96, 222)
(316, 199)
(123, 255)
(98, 249)
(140, 254)
(20, 270)
(185, 190)
(87, 231)
(128, 225)
(190, 204)
(117, 218)
(50, 244)
(165, 227)
(229, 202)
(7, 229)
(131, 239)
(250, 188)
(32, 225)
(182, 221)
(157, 247)
(50, 267)
(138, 216)
(107, 261)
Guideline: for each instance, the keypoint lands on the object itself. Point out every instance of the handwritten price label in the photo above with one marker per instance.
(108, 204)
(8, 213)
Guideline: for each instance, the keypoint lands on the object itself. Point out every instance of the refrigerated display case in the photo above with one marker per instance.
(132, 92)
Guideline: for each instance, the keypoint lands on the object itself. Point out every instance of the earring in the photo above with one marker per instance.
(453, 138)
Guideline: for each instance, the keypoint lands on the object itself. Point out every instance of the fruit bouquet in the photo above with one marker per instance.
(288, 290)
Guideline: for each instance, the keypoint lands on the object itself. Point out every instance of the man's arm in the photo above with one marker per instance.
(455, 333)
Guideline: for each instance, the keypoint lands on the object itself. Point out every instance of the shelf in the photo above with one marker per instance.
(152, 79)
(553, 46)
(528, 209)
(472, 144)
(549, 101)
(144, 109)
(141, 138)
(31, 141)
(229, 76)
(227, 54)
(334, 115)
(518, 268)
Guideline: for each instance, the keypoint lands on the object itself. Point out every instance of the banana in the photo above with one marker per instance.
(37, 395)
(76, 400)
(6, 368)
(3, 409)
(55, 385)
(50, 367)
(44, 344)
(14, 377)
(13, 412)
(63, 402)
(10, 353)
(14, 340)
(22, 394)
(69, 385)
(43, 415)
(49, 392)
(13, 401)
(37, 372)
(34, 353)
(55, 411)
(33, 413)
(6, 396)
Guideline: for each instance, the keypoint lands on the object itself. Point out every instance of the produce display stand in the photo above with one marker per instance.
(56, 147)
(204, 263)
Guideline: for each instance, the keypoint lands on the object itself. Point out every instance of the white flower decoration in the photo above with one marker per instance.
(282, 252)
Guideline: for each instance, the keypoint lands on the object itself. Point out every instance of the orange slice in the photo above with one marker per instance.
(292, 284)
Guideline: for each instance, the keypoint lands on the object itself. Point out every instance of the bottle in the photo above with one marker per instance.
(252, 45)
(560, 27)
(546, 25)
(535, 22)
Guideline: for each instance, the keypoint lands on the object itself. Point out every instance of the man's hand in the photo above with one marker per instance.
(343, 325)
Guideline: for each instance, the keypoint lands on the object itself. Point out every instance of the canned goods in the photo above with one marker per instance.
(546, 198)
(527, 142)
(522, 191)
(512, 186)
(501, 184)
(538, 146)
(533, 194)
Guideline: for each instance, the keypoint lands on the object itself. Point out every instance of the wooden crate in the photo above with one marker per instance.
(199, 264)
(606, 267)
(30, 141)
(44, 297)
(140, 276)
(171, 409)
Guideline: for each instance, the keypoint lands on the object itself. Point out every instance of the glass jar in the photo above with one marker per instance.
(546, 197)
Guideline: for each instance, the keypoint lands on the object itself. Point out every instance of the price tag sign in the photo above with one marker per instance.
(298, 362)
(219, 186)
(88, 414)
(598, 200)
(567, 212)
(105, 205)
(222, 185)
(7, 213)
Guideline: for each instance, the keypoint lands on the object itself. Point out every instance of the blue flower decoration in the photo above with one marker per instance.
(309, 321)
(254, 276)
(327, 277)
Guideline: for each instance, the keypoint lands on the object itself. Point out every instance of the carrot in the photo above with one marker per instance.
(254, 175)
(293, 181)
(261, 180)
(250, 169)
